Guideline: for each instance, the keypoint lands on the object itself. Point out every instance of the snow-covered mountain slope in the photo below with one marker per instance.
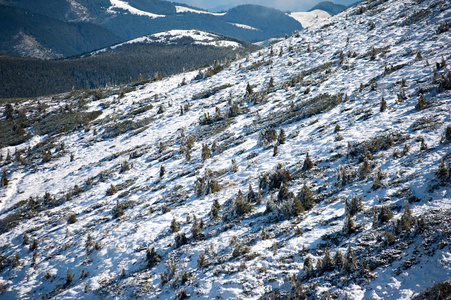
(134, 11)
(318, 168)
(178, 37)
(309, 18)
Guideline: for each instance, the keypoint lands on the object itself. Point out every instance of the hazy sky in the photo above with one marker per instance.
(284, 5)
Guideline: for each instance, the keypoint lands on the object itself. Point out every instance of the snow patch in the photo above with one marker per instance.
(183, 9)
(309, 18)
(245, 26)
(134, 11)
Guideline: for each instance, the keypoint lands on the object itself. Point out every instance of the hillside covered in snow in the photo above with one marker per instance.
(316, 168)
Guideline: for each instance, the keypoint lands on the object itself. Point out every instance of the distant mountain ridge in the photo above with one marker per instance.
(164, 53)
(131, 19)
(32, 34)
(330, 7)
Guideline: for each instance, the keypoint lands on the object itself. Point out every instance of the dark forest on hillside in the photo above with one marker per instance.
(29, 77)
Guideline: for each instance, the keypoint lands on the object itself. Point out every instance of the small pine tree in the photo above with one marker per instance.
(354, 206)
(297, 207)
(34, 245)
(68, 277)
(365, 168)
(406, 218)
(124, 167)
(271, 83)
(443, 172)
(26, 239)
(206, 153)
(162, 171)
(448, 133)
(72, 219)
(174, 226)
(15, 262)
(264, 234)
(384, 215)
(383, 105)
(284, 193)
(188, 154)
(180, 240)
(328, 263)
(249, 90)
(119, 210)
(306, 197)
(282, 138)
(4, 180)
(349, 225)
(403, 82)
(339, 260)
(152, 257)
(112, 190)
(351, 261)
(196, 230)
(377, 183)
(421, 104)
(423, 145)
(308, 163)
(275, 150)
(202, 261)
(406, 149)
(160, 109)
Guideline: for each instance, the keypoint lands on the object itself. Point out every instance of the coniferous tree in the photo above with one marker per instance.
(119, 210)
(201, 261)
(383, 106)
(15, 262)
(328, 263)
(271, 83)
(284, 193)
(308, 266)
(275, 150)
(297, 207)
(306, 197)
(339, 260)
(196, 230)
(406, 218)
(351, 261)
(443, 171)
(206, 153)
(4, 180)
(251, 197)
(68, 277)
(215, 209)
(421, 104)
(282, 138)
(249, 90)
(349, 225)
(152, 257)
(188, 154)
(308, 163)
(174, 226)
(112, 190)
